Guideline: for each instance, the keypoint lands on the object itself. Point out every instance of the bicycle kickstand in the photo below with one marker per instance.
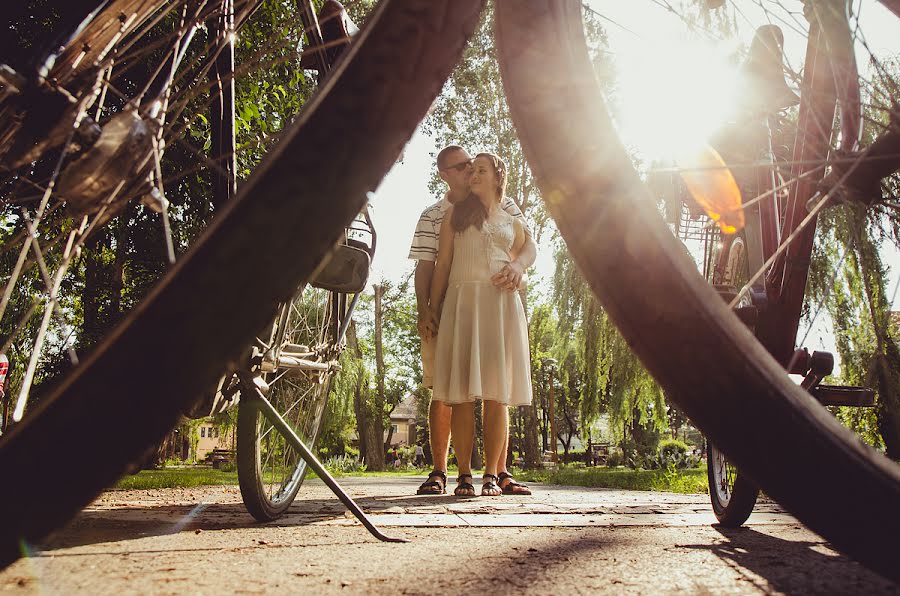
(284, 428)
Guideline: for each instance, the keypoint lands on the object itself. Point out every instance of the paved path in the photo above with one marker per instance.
(562, 540)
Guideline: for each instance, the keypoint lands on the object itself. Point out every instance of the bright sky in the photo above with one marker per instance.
(652, 52)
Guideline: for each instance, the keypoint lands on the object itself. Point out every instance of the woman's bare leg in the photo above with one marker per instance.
(501, 458)
(462, 429)
(496, 434)
(508, 480)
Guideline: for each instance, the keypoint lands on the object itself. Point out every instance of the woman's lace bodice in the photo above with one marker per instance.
(479, 254)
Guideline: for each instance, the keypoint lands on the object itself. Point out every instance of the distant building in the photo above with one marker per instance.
(403, 422)
(209, 437)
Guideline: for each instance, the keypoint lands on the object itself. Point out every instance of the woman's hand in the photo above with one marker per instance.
(510, 277)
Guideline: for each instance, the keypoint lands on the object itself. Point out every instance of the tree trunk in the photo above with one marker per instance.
(887, 357)
(532, 445)
(371, 449)
(379, 409)
(477, 462)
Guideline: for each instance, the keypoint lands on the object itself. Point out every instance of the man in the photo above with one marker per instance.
(420, 455)
(454, 167)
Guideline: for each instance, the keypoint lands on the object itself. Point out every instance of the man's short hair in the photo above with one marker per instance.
(442, 156)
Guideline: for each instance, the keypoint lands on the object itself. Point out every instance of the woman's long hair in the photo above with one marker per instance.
(471, 211)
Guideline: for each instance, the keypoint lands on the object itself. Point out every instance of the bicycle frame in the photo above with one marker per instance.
(780, 237)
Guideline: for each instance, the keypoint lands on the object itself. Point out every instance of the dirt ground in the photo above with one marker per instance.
(561, 540)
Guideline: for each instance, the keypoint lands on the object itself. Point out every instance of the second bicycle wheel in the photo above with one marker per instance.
(731, 494)
(302, 358)
(695, 347)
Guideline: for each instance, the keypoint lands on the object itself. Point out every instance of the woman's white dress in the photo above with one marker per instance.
(482, 342)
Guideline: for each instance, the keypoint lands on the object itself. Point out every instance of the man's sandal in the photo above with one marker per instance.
(434, 487)
(489, 486)
(464, 489)
(512, 487)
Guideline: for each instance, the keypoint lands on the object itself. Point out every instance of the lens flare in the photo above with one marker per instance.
(713, 186)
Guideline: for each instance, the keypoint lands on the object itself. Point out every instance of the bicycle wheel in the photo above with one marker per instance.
(104, 132)
(261, 247)
(731, 493)
(695, 347)
(303, 359)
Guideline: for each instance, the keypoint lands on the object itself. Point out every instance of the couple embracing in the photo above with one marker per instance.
(472, 248)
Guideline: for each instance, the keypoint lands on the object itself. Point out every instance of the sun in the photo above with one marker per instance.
(672, 94)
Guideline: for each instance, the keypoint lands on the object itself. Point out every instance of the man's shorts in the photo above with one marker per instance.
(429, 347)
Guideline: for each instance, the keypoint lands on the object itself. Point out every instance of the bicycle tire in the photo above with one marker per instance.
(731, 494)
(254, 255)
(270, 471)
(697, 349)
(134, 149)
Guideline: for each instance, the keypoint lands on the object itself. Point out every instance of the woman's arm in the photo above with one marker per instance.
(441, 277)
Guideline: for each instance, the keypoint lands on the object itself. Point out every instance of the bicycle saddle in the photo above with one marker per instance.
(763, 74)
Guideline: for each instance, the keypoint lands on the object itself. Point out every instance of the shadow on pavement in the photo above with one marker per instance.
(786, 564)
(139, 521)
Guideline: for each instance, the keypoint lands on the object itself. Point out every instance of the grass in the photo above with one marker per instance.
(177, 478)
(688, 481)
(685, 481)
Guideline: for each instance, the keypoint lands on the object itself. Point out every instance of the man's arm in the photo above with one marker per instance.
(424, 273)
(441, 276)
(510, 277)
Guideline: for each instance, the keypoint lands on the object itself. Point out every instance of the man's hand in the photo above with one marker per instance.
(510, 277)
(427, 324)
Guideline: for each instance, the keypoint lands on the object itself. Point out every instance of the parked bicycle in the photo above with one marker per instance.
(731, 384)
(262, 245)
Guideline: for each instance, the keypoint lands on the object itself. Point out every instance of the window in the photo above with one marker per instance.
(394, 428)
(202, 432)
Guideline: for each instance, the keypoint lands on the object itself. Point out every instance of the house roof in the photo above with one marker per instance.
(406, 409)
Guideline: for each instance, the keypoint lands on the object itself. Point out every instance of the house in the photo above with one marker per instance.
(403, 422)
(210, 437)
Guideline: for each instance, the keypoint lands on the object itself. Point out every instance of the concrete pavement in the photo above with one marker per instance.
(561, 540)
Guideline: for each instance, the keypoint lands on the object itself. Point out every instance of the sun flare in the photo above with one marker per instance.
(672, 95)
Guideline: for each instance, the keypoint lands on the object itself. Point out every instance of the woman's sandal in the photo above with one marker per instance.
(434, 487)
(490, 488)
(512, 487)
(464, 489)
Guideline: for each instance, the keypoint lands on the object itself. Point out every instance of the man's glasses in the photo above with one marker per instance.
(460, 166)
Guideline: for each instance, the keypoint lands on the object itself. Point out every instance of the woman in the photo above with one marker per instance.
(482, 343)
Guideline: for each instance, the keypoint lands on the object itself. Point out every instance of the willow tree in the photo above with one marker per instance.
(612, 379)
(848, 275)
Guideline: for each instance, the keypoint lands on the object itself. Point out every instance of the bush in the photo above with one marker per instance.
(673, 452)
(614, 459)
(343, 464)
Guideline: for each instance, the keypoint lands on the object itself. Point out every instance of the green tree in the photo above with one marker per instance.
(847, 273)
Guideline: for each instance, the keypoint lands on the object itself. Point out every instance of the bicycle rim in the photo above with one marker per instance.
(705, 358)
(256, 252)
(140, 79)
(731, 495)
(270, 470)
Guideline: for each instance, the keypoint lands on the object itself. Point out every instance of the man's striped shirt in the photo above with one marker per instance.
(426, 238)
